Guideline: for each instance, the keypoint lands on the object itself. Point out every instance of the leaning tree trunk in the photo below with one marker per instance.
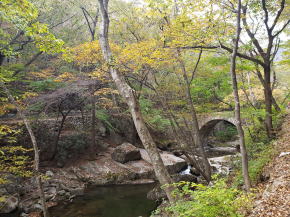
(237, 102)
(195, 127)
(129, 95)
(35, 148)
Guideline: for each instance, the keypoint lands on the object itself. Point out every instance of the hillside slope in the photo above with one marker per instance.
(274, 198)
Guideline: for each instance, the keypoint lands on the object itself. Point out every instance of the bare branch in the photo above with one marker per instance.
(266, 16)
(281, 30)
(278, 15)
(28, 63)
(62, 22)
(196, 65)
(250, 34)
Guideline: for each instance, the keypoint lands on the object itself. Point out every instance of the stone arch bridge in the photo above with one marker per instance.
(208, 121)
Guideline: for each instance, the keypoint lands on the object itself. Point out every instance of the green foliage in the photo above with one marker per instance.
(258, 159)
(20, 17)
(213, 87)
(255, 130)
(228, 134)
(208, 201)
(44, 85)
(105, 118)
(18, 14)
(43, 39)
(36, 107)
(260, 149)
(278, 117)
(153, 116)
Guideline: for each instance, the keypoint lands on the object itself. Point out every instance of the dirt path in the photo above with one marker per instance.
(274, 198)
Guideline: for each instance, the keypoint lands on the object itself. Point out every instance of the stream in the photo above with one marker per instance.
(109, 201)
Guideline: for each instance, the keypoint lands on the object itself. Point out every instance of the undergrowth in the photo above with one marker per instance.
(207, 201)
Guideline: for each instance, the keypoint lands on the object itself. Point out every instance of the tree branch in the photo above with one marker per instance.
(278, 15)
(28, 63)
(285, 25)
(266, 17)
(196, 65)
(250, 34)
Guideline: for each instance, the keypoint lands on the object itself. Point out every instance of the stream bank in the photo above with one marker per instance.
(64, 186)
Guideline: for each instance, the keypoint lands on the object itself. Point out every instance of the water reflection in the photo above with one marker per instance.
(110, 201)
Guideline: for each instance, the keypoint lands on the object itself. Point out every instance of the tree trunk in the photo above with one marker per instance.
(237, 103)
(93, 127)
(274, 102)
(268, 101)
(35, 148)
(2, 58)
(58, 135)
(195, 126)
(252, 97)
(129, 96)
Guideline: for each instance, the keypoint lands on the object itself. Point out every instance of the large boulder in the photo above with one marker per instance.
(142, 168)
(172, 163)
(126, 152)
(10, 204)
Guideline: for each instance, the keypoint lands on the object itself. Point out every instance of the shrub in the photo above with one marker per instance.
(105, 118)
(261, 156)
(72, 145)
(208, 201)
(153, 116)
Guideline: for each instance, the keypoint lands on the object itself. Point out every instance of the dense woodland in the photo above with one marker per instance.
(77, 73)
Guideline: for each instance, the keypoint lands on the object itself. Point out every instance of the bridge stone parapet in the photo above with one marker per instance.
(228, 116)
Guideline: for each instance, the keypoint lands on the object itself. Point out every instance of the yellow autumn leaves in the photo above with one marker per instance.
(132, 57)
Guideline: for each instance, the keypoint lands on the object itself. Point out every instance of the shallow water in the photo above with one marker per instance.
(109, 201)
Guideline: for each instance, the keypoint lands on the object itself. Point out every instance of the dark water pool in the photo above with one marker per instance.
(109, 201)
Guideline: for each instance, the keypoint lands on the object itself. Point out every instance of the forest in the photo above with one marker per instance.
(129, 108)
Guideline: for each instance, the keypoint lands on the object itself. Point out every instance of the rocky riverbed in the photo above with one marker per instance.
(125, 164)
(64, 184)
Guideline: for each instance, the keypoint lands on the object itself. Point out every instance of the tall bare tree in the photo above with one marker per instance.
(237, 101)
(263, 56)
(130, 97)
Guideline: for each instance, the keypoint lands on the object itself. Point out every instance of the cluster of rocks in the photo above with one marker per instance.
(138, 161)
(26, 198)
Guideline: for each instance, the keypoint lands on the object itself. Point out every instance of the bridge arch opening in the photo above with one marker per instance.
(219, 133)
